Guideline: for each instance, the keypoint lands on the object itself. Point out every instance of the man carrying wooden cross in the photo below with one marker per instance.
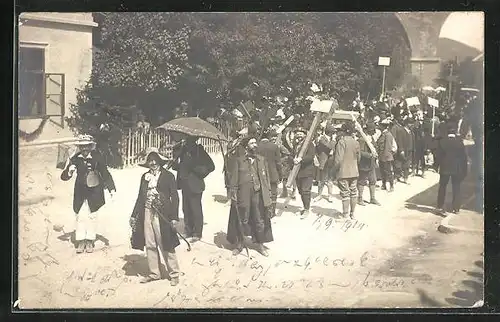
(305, 175)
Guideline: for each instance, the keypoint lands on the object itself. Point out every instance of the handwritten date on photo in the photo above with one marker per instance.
(321, 222)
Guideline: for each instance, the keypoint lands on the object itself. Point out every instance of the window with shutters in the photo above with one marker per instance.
(40, 94)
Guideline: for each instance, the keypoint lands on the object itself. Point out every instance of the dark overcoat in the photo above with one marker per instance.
(193, 166)
(168, 188)
(95, 195)
(451, 156)
(366, 162)
(272, 153)
(307, 164)
(384, 147)
(323, 149)
(239, 178)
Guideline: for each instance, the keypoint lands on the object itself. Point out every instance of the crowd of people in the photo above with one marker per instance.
(387, 144)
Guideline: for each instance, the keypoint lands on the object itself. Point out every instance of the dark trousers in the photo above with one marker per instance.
(418, 161)
(193, 213)
(304, 186)
(274, 191)
(250, 207)
(402, 166)
(367, 177)
(455, 187)
(386, 172)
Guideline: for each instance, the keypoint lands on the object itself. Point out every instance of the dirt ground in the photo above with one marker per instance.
(391, 256)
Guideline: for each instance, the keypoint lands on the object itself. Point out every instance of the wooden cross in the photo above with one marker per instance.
(320, 108)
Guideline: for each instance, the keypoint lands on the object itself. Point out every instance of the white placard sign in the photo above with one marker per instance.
(384, 61)
(412, 101)
(432, 102)
(321, 106)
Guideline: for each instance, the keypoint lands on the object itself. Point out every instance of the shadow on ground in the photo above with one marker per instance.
(220, 198)
(427, 199)
(472, 289)
(137, 265)
(72, 239)
(220, 240)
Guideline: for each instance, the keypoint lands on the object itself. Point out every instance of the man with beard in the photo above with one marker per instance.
(192, 166)
(251, 195)
(272, 153)
(347, 156)
(324, 148)
(386, 147)
(305, 176)
(367, 166)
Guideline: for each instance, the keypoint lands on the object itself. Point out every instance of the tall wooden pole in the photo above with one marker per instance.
(383, 83)
(303, 149)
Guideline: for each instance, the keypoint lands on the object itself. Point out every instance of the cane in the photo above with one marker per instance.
(174, 228)
(240, 224)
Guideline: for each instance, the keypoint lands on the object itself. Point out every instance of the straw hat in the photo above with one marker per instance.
(85, 139)
(144, 163)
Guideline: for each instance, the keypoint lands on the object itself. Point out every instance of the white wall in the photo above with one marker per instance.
(67, 39)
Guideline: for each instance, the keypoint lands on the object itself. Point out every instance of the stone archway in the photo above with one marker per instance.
(422, 29)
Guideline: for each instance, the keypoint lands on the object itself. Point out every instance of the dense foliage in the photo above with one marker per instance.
(163, 64)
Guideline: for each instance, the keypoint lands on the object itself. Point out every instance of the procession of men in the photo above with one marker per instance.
(374, 151)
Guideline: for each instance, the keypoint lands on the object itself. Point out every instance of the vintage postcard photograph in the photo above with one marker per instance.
(240, 160)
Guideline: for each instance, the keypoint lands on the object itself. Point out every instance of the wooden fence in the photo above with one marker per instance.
(137, 141)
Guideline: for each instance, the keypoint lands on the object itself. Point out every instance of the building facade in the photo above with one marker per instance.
(54, 61)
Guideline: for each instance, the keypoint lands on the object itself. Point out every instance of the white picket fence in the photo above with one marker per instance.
(137, 141)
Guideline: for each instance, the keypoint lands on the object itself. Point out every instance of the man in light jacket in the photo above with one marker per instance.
(346, 158)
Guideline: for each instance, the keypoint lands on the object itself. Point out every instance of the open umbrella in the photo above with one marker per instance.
(193, 126)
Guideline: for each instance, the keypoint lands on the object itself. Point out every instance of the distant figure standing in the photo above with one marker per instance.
(346, 159)
(386, 147)
(193, 165)
(88, 197)
(305, 176)
(451, 161)
(367, 167)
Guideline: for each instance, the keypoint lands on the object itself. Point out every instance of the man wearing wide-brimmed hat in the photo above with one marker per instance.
(155, 216)
(91, 180)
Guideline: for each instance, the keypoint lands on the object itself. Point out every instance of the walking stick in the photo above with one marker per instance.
(174, 228)
(240, 224)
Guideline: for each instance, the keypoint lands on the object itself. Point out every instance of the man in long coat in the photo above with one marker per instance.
(153, 220)
(305, 176)
(346, 158)
(386, 147)
(251, 196)
(193, 165)
(451, 161)
(88, 196)
(272, 153)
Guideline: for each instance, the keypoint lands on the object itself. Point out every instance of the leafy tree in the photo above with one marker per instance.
(140, 60)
